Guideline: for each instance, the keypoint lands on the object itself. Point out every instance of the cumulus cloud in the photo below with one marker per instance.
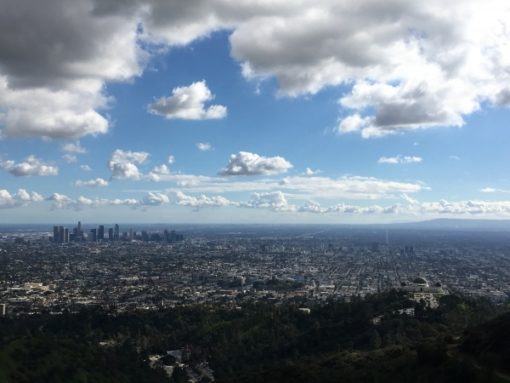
(124, 164)
(459, 208)
(352, 187)
(348, 187)
(204, 146)
(62, 201)
(188, 103)
(98, 182)
(52, 74)
(155, 199)
(399, 159)
(171, 160)
(21, 198)
(32, 166)
(310, 172)
(159, 173)
(316, 208)
(275, 201)
(201, 201)
(412, 66)
(85, 168)
(74, 147)
(251, 164)
(70, 158)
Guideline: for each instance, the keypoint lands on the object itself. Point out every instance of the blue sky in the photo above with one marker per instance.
(269, 113)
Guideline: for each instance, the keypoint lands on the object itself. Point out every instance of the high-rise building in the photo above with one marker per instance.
(116, 235)
(110, 234)
(61, 234)
(100, 233)
(66, 235)
(55, 234)
(93, 235)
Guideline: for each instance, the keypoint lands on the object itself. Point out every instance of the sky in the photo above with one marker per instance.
(261, 111)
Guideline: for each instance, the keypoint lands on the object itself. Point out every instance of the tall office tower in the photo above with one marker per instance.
(116, 236)
(79, 227)
(93, 235)
(55, 234)
(61, 234)
(100, 233)
(66, 235)
(110, 234)
(130, 234)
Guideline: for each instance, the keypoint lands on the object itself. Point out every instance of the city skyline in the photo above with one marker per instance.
(269, 112)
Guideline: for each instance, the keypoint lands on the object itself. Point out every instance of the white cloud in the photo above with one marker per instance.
(310, 172)
(52, 74)
(171, 160)
(159, 173)
(70, 158)
(413, 65)
(347, 187)
(98, 182)
(399, 159)
(275, 201)
(201, 201)
(316, 208)
(350, 187)
(155, 199)
(251, 164)
(352, 123)
(204, 146)
(74, 147)
(493, 190)
(85, 168)
(188, 103)
(62, 201)
(20, 198)
(124, 164)
(30, 167)
(459, 208)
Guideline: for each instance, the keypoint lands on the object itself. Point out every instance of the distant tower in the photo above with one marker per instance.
(55, 234)
(100, 234)
(66, 235)
(93, 235)
(61, 234)
(110, 234)
(116, 235)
